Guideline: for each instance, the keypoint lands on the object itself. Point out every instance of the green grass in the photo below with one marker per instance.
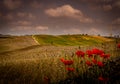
(69, 40)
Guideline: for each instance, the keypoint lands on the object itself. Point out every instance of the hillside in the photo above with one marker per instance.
(11, 43)
(69, 40)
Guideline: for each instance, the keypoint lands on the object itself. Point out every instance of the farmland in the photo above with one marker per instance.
(37, 59)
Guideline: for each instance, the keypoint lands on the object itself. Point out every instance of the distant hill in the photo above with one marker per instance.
(11, 43)
(69, 40)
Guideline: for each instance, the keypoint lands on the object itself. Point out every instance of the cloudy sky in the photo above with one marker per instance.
(19, 17)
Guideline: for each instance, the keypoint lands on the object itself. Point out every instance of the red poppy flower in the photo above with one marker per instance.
(66, 62)
(105, 55)
(70, 69)
(88, 63)
(94, 61)
(62, 59)
(97, 51)
(89, 53)
(46, 78)
(118, 45)
(101, 78)
(80, 53)
(100, 64)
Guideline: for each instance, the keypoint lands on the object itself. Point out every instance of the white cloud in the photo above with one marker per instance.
(65, 10)
(29, 28)
(24, 22)
(68, 11)
(42, 28)
(21, 28)
(21, 23)
(12, 4)
(25, 14)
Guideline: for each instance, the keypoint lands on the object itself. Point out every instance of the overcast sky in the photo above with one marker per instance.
(21, 17)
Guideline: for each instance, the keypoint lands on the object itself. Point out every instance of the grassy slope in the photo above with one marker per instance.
(15, 42)
(70, 40)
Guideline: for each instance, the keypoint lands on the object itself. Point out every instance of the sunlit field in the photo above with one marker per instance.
(34, 60)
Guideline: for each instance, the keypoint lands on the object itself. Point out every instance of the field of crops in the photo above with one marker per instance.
(53, 64)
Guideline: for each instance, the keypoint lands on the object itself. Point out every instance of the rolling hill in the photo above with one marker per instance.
(11, 43)
(69, 40)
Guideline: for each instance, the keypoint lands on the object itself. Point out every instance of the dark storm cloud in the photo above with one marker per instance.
(59, 16)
